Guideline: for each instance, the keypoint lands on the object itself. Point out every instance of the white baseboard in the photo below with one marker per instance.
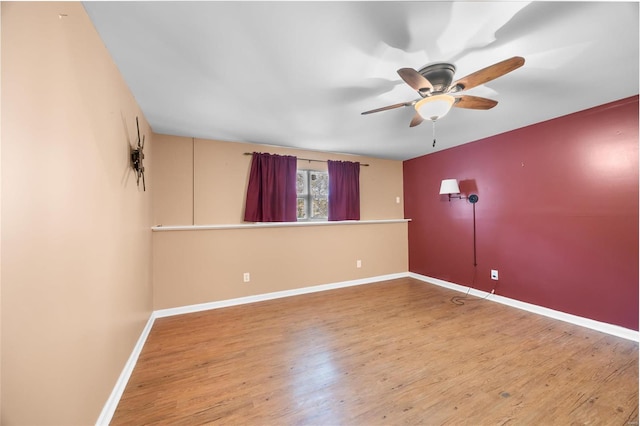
(275, 295)
(112, 403)
(604, 327)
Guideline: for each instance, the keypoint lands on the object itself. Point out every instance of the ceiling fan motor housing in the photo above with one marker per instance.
(440, 76)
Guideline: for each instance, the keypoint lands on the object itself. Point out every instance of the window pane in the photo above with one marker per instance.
(319, 184)
(319, 208)
(302, 208)
(301, 182)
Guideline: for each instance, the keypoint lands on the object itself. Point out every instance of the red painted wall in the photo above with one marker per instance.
(557, 214)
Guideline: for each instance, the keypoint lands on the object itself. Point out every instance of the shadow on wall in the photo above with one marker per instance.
(468, 187)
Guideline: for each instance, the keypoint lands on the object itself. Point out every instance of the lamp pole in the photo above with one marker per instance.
(473, 199)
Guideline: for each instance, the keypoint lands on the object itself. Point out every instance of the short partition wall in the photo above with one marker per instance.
(202, 264)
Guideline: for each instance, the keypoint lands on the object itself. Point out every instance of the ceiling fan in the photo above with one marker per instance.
(438, 94)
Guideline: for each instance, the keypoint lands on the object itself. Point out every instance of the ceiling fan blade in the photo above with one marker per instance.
(417, 119)
(416, 80)
(474, 102)
(386, 108)
(487, 74)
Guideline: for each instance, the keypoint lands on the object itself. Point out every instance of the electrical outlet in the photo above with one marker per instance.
(397, 200)
(358, 263)
(494, 274)
(246, 277)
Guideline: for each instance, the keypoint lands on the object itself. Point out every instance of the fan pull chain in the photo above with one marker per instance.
(434, 133)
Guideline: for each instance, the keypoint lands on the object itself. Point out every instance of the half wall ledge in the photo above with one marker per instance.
(274, 225)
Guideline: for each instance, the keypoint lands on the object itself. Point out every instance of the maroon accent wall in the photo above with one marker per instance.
(557, 214)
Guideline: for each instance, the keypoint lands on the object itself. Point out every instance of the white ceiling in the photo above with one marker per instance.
(298, 74)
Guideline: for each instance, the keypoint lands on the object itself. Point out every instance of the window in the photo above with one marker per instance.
(312, 187)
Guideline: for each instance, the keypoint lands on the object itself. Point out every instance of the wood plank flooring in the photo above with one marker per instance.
(396, 352)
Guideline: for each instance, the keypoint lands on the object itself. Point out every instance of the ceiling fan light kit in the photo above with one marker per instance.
(434, 107)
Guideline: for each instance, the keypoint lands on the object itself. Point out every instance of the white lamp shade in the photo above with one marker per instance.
(449, 186)
(434, 107)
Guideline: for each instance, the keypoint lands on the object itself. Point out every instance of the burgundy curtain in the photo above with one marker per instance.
(271, 193)
(344, 190)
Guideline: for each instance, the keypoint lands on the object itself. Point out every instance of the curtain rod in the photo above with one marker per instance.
(309, 159)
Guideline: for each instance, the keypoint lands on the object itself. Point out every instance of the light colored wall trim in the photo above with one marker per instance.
(275, 295)
(614, 330)
(112, 403)
(273, 225)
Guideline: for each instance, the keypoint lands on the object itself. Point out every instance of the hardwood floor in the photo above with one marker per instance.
(396, 352)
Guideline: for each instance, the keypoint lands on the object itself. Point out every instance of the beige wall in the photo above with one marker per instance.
(206, 180)
(76, 243)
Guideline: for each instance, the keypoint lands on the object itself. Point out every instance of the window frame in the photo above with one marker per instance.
(308, 196)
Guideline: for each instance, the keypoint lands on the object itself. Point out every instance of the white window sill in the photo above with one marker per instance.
(272, 225)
